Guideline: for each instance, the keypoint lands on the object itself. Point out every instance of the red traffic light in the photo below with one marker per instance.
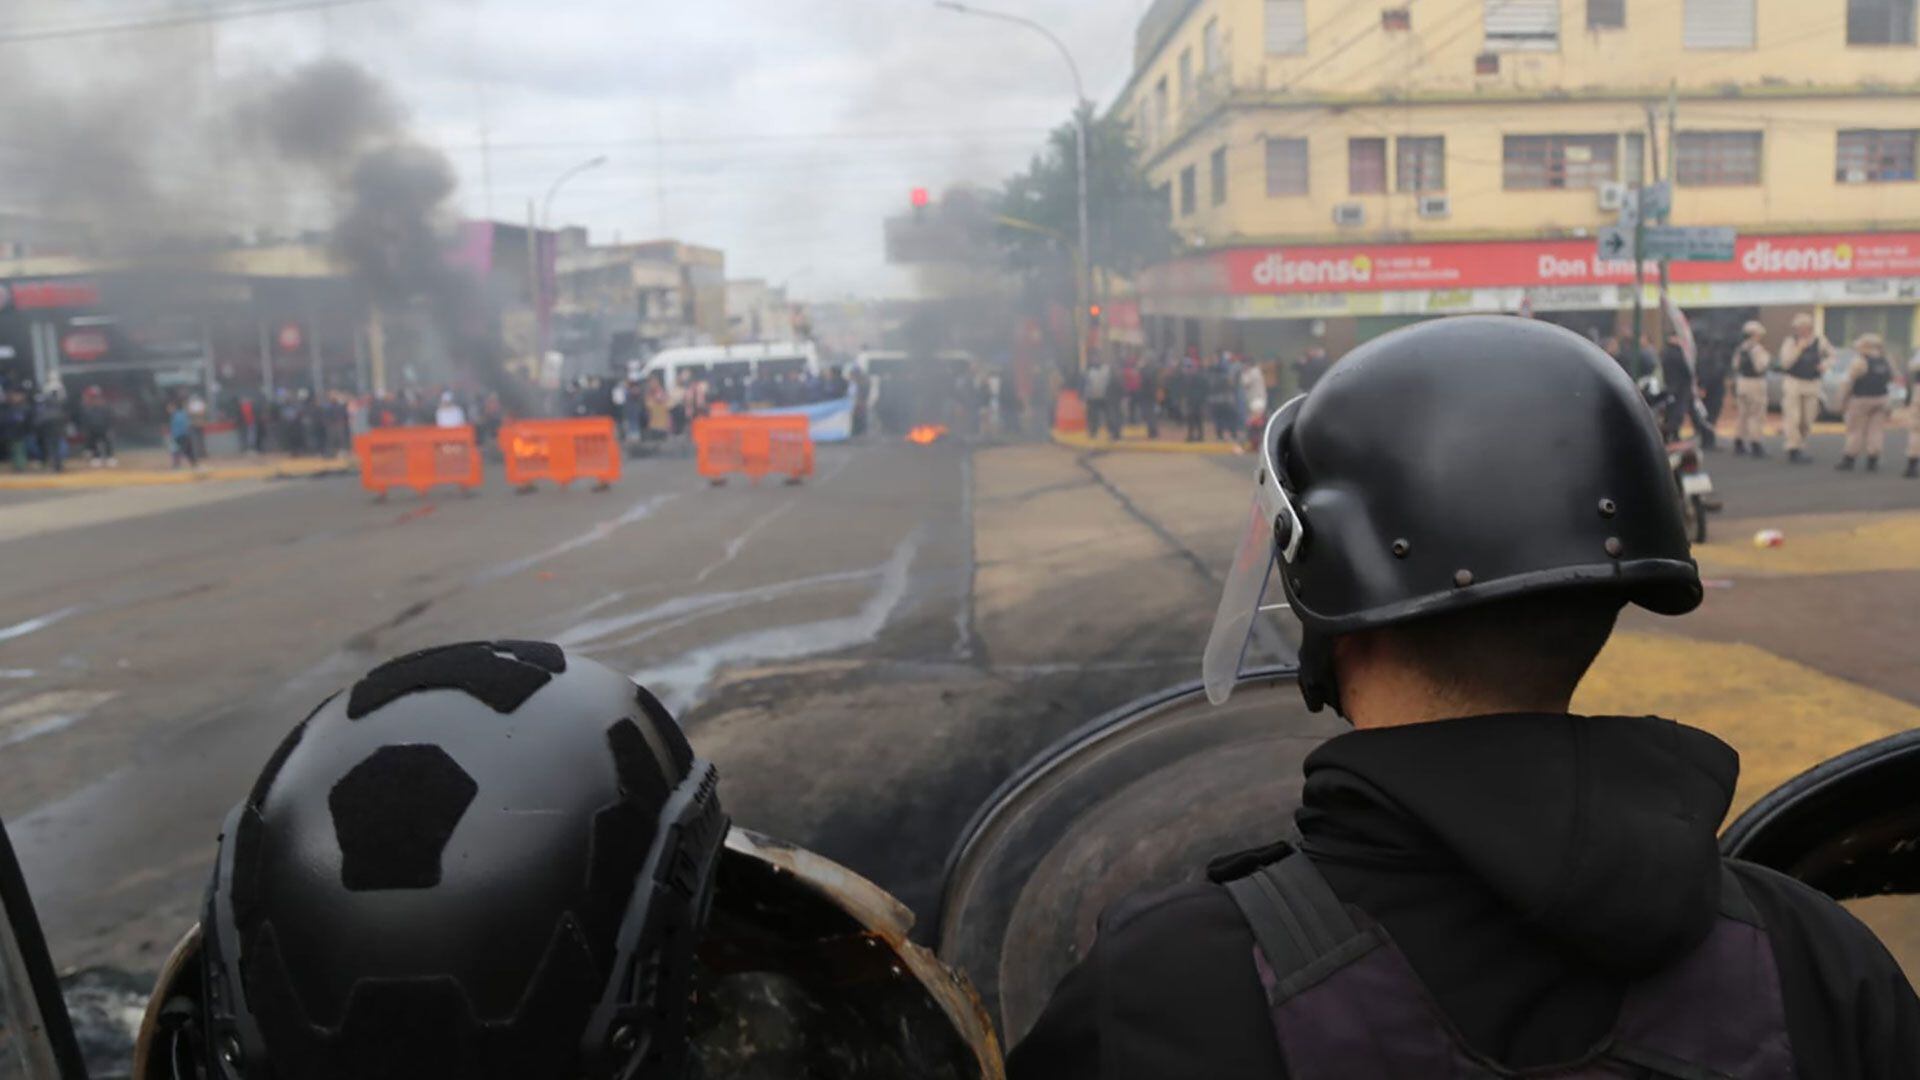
(1093, 310)
(919, 198)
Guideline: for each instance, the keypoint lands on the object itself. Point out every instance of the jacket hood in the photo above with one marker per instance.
(1599, 831)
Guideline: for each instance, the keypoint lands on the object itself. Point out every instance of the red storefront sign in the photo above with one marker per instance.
(290, 337)
(84, 345)
(41, 295)
(1521, 263)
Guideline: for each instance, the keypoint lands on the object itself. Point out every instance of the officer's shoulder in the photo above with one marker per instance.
(1794, 911)
(1179, 909)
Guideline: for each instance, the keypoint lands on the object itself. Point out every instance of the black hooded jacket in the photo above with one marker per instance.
(1529, 866)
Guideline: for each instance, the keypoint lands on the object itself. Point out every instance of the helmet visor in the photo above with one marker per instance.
(1245, 626)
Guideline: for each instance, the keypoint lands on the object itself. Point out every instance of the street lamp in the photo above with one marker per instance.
(1083, 286)
(533, 253)
(546, 206)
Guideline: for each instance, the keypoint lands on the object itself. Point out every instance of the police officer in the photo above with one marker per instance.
(501, 861)
(486, 860)
(1804, 356)
(1864, 402)
(1481, 882)
(1751, 362)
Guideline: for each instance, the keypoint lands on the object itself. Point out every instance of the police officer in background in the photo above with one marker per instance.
(1804, 356)
(1751, 362)
(1481, 882)
(1864, 404)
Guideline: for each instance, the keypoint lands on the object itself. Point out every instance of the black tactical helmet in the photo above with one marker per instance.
(1449, 464)
(485, 860)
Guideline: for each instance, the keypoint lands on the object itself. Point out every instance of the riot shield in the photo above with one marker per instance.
(36, 1035)
(1139, 799)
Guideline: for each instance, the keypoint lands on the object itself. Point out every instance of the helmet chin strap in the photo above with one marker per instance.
(1317, 683)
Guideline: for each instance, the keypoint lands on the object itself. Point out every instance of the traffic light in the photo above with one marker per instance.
(920, 200)
(1093, 314)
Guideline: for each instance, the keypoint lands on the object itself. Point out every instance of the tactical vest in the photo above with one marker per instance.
(1806, 363)
(1874, 381)
(1346, 1003)
(1745, 365)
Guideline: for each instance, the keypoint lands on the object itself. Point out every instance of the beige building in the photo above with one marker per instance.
(1341, 169)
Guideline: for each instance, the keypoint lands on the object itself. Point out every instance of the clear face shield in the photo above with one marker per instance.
(1249, 629)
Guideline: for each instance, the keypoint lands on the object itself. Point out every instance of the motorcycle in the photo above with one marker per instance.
(1111, 809)
(1690, 479)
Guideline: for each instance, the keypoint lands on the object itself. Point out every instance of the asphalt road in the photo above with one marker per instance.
(825, 643)
(866, 656)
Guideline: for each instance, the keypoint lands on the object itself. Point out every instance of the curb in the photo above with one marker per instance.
(1143, 445)
(93, 479)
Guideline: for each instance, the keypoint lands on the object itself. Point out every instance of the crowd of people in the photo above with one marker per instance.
(1864, 390)
(1230, 395)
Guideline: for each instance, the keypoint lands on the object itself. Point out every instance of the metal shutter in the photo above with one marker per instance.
(1286, 26)
(1718, 24)
(1522, 24)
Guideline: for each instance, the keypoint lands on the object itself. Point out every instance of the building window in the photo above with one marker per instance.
(1366, 166)
(1716, 158)
(1187, 197)
(1162, 108)
(1186, 78)
(1217, 175)
(1521, 24)
(1537, 162)
(1633, 158)
(1880, 22)
(1286, 27)
(1606, 14)
(1420, 163)
(1875, 157)
(1717, 24)
(1212, 57)
(1286, 167)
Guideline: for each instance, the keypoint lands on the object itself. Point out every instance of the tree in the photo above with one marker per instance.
(1128, 219)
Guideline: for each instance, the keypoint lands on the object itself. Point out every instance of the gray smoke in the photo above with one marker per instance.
(155, 162)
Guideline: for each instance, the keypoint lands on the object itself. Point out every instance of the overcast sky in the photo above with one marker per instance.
(779, 130)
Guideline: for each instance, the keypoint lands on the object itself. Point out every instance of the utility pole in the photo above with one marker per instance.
(1673, 124)
(1640, 233)
(538, 370)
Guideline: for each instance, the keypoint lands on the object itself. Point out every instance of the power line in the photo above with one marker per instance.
(184, 18)
(726, 140)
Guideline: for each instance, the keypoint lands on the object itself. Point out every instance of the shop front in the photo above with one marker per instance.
(1277, 300)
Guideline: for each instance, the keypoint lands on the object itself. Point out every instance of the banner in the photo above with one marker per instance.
(828, 421)
(1523, 263)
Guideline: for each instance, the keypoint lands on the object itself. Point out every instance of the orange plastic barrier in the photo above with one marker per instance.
(420, 458)
(1069, 412)
(754, 445)
(561, 451)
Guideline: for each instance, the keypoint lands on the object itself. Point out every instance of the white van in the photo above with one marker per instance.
(745, 361)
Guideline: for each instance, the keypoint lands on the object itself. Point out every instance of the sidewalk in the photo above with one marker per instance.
(1172, 440)
(145, 468)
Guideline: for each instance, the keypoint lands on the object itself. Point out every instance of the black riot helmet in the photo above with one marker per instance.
(486, 860)
(1448, 464)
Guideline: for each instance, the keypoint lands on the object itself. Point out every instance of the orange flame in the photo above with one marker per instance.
(926, 433)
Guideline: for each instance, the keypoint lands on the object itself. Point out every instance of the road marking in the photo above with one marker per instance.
(1781, 716)
(47, 712)
(37, 623)
(680, 682)
(637, 512)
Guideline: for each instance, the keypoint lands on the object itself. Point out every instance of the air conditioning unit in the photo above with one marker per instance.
(1855, 176)
(1349, 213)
(1613, 195)
(1435, 206)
